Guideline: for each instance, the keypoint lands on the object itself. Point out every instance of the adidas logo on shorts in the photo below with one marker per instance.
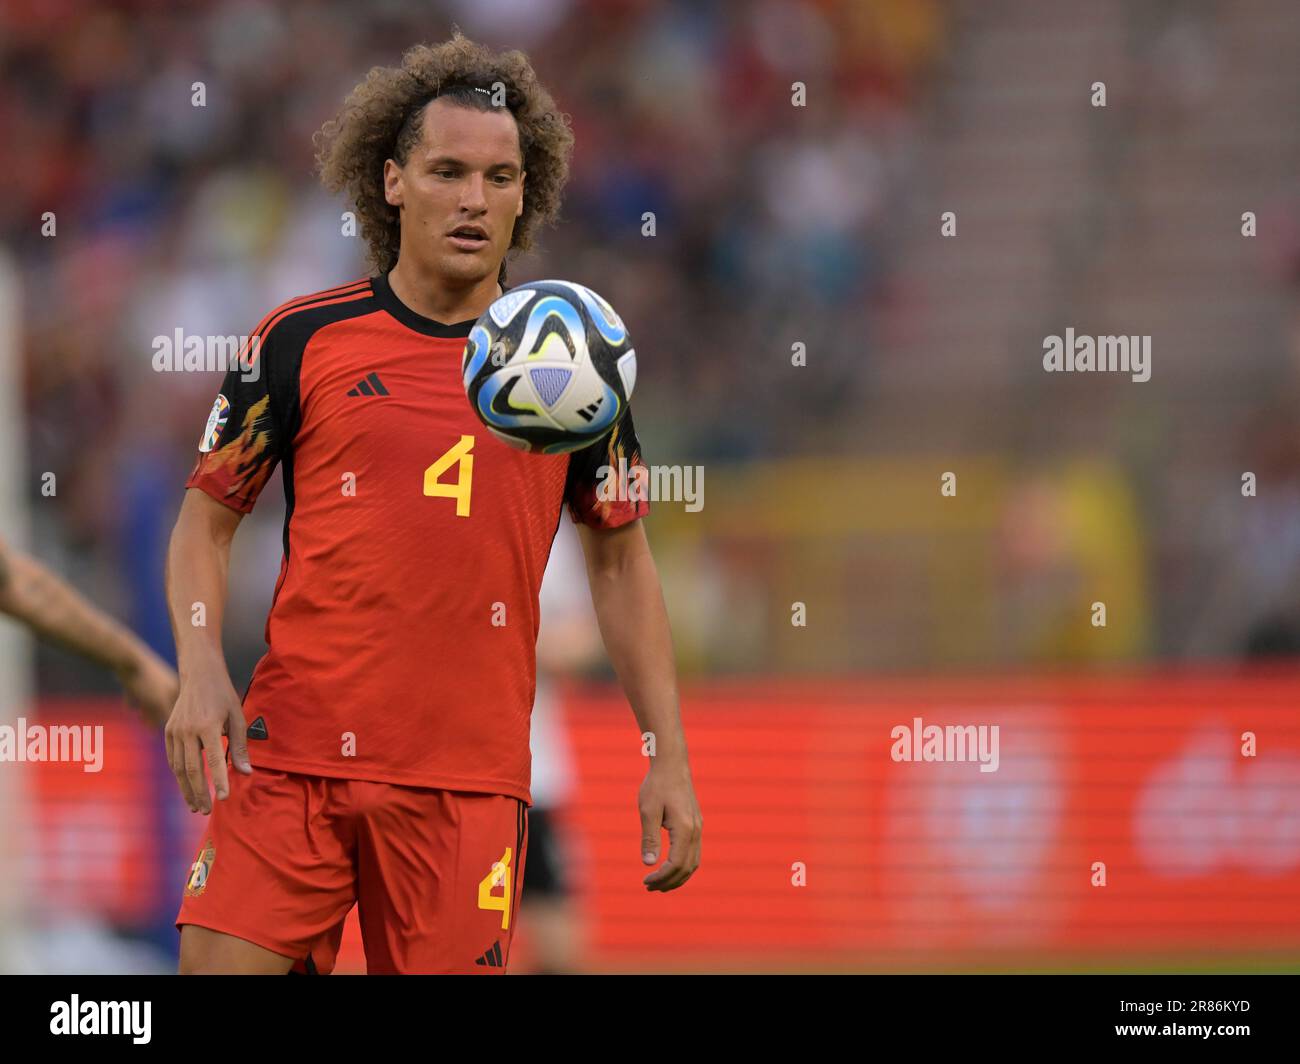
(492, 958)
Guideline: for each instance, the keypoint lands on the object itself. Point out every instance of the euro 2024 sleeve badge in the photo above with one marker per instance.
(216, 422)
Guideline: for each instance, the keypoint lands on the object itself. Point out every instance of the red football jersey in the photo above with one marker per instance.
(402, 636)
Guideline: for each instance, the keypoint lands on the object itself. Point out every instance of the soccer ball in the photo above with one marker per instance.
(549, 367)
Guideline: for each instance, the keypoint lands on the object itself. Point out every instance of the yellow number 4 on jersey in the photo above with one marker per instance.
(458, 453)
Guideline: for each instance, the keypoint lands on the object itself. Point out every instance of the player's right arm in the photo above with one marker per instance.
(245, 438)
(198, 565)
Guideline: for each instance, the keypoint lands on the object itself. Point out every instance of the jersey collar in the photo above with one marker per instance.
(387, 299)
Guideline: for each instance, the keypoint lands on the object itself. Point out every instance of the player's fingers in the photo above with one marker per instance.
(666, 874)
(696, 847)
(190, 769)
(171, 752)
(194, 774)
(683, 840)
(671, 874)
(216, 758)
(689, 864)
(237, 733)
(660, 877)
(176, 759)
(651, 822)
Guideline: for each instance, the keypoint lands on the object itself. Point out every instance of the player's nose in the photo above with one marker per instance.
(472, 196)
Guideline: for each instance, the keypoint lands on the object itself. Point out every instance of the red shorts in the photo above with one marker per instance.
(436, 874)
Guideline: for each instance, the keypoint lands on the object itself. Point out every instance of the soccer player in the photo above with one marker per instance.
(30, 593)
(381, 751)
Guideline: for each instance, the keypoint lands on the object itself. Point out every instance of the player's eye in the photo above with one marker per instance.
(444, 172)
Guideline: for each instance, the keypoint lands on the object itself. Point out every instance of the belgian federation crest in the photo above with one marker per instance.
(200, 870)
(216, 422)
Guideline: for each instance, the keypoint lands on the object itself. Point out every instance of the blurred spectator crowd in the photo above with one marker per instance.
(171, 216)
(774, 225)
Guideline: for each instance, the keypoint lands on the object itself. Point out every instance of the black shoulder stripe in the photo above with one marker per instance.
(287, 340)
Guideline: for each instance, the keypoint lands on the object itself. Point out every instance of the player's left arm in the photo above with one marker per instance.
(633, 621)
(30, 593)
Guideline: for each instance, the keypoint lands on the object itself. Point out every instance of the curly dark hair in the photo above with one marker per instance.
(382, 119)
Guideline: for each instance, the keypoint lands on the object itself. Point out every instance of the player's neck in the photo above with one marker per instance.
(430, 296)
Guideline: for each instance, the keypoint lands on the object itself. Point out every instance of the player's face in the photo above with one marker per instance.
(465, 174)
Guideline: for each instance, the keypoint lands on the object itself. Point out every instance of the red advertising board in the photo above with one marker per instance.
(1123, 817)
(87, 829)
(1153, 815)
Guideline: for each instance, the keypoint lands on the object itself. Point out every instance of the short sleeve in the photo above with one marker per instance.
(604, 488)
(246, 432)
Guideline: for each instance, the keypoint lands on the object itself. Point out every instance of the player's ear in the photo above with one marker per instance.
(522, 175)
(392, 183)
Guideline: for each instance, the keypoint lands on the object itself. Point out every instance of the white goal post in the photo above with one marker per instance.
(16, 650)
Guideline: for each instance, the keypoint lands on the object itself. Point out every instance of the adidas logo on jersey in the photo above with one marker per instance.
(491, 958)
(369, 385)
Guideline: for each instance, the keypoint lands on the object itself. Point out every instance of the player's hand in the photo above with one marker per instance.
(667, 802)
(206, 709)
(151, 686)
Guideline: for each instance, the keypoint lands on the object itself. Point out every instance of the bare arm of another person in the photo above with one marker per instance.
(50, 607)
